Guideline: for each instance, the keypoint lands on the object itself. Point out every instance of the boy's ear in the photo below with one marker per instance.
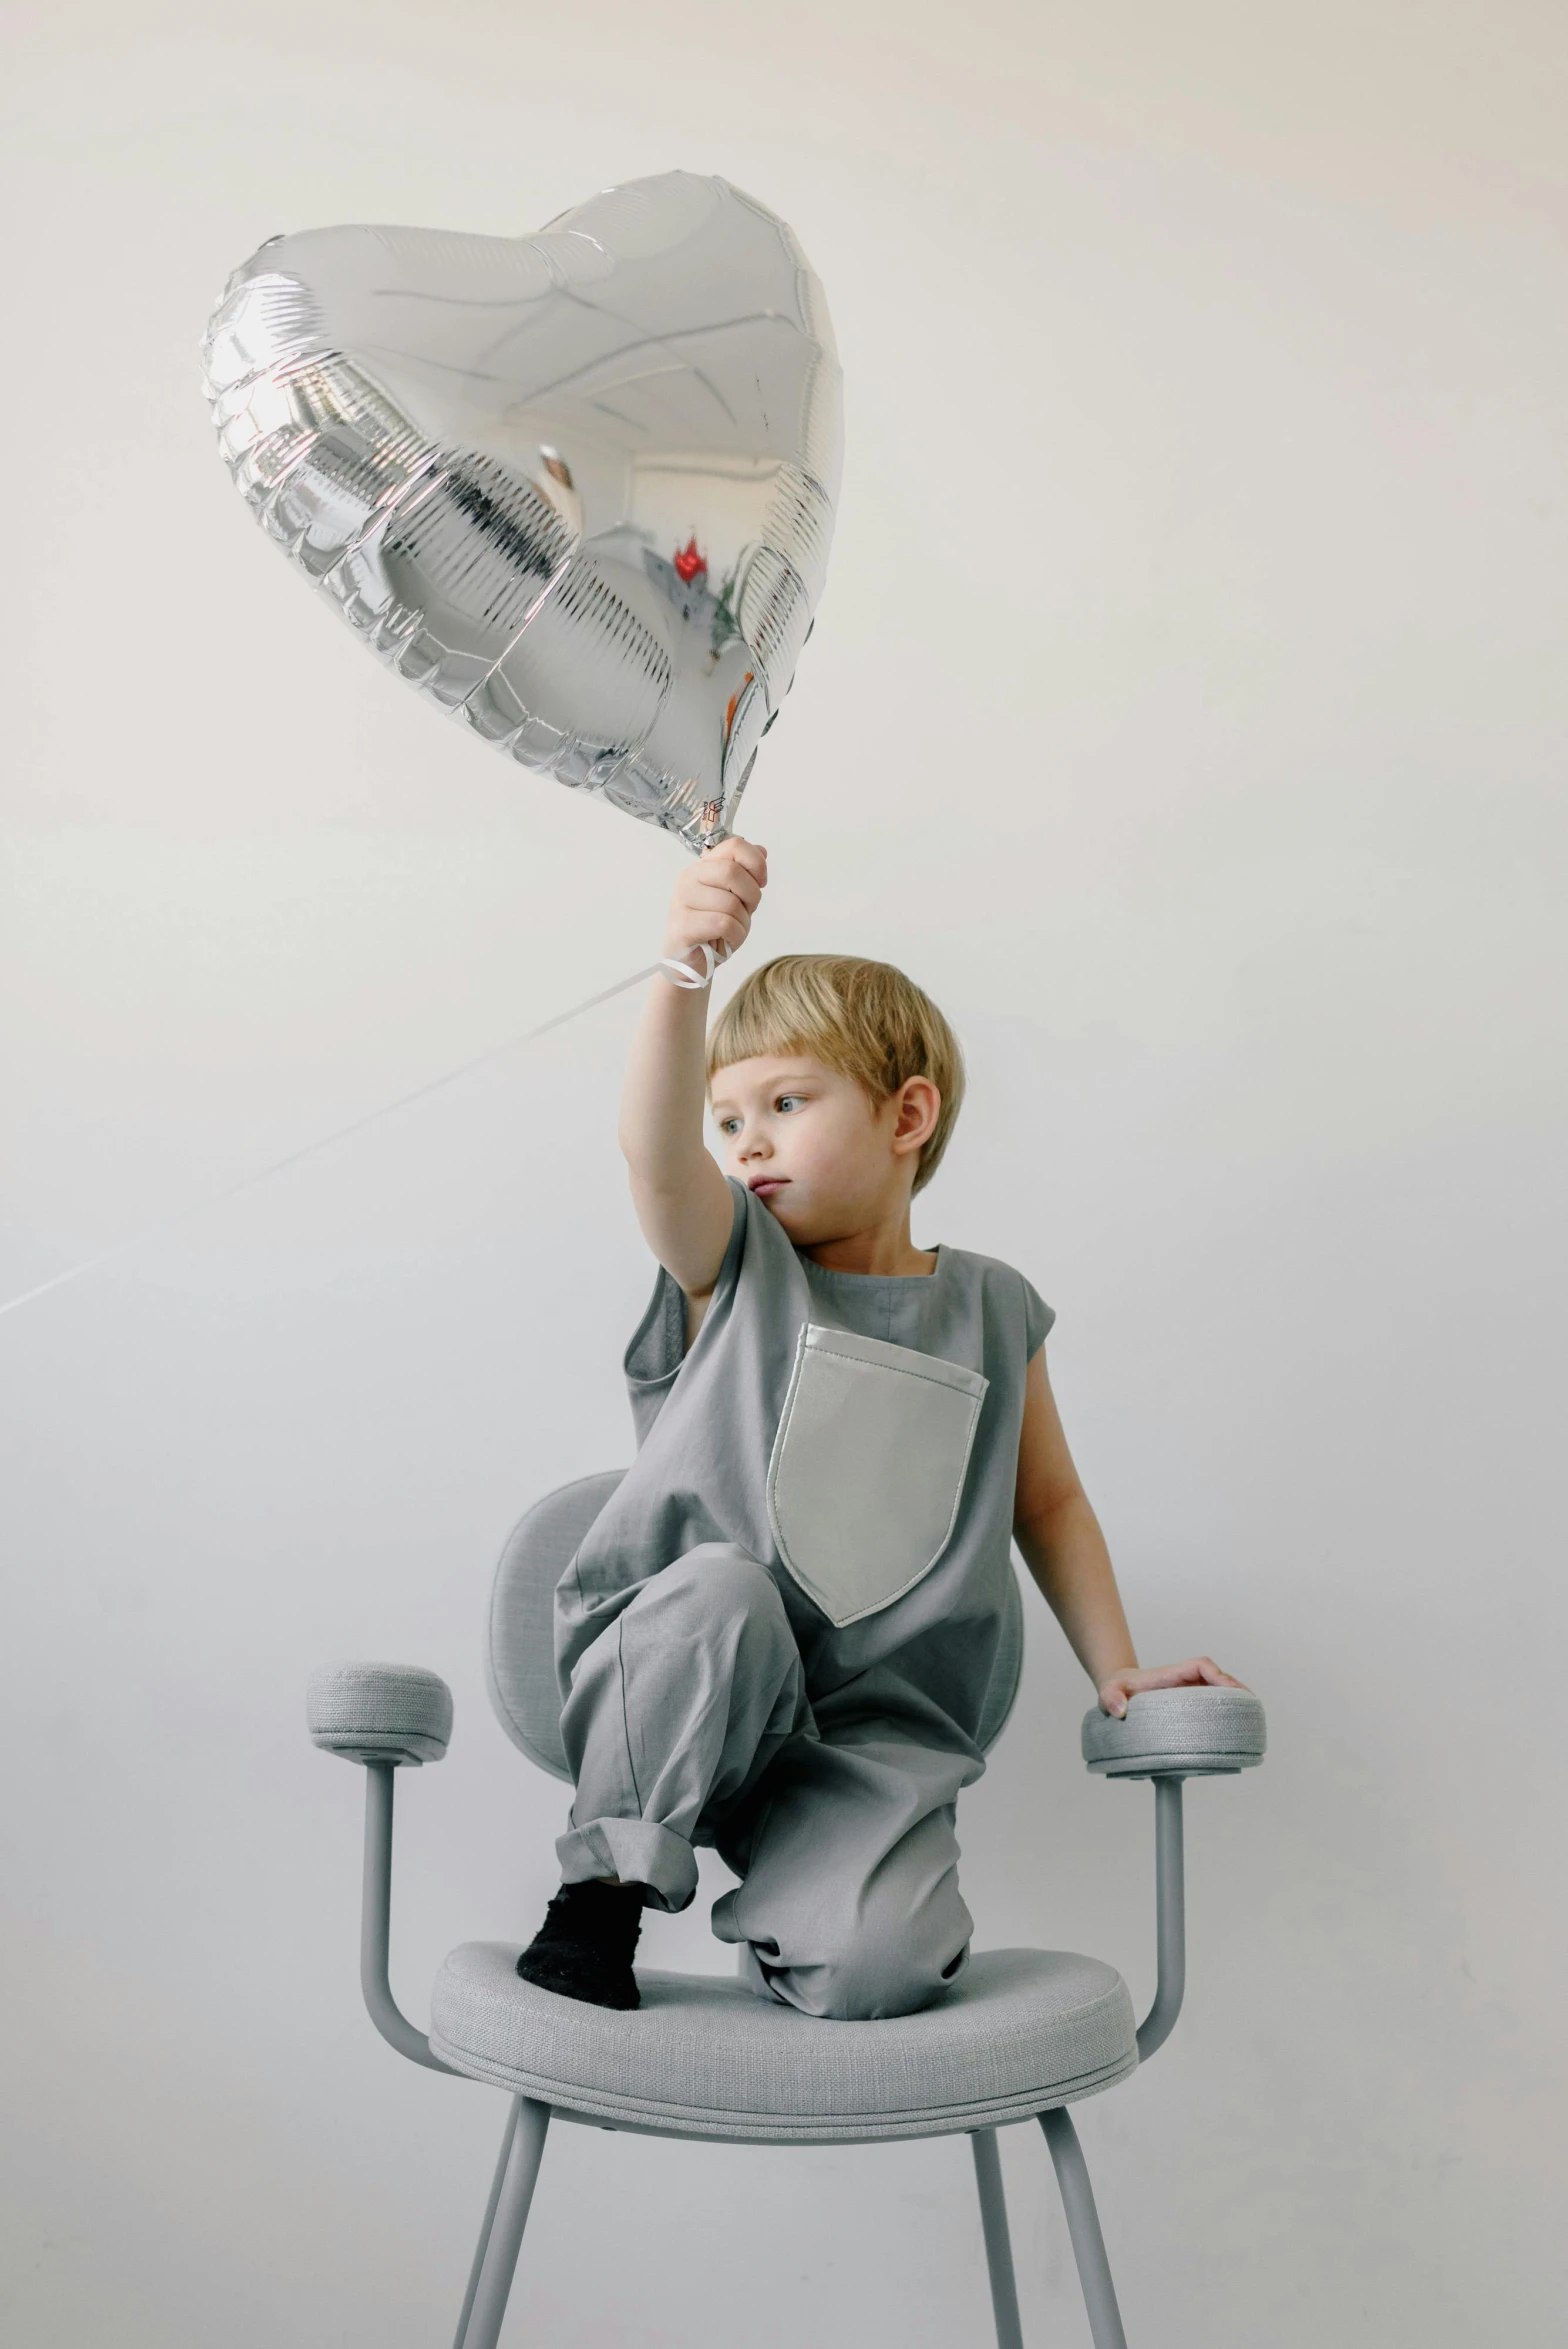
(919, 1105)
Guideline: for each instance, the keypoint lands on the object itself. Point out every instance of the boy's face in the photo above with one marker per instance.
(827, 1161)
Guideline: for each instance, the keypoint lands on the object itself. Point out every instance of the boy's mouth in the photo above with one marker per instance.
(765, 1185)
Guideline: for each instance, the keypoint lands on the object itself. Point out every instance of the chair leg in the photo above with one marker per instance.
(501, 2237)
(998, 2247)
(1083, 2225)
(483, 2245)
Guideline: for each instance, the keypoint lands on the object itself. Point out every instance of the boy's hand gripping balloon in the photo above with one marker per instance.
(577, 487)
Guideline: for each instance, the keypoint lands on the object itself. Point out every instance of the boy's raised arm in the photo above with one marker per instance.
(683, 1202)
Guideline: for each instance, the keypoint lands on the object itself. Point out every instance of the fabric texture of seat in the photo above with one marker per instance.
(1020, 2032)
(379, 1713)
(520, 1647)
(1190, 1732)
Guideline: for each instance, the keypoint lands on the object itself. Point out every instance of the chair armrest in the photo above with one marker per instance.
(379, 1713)
(386, 1716)
(1169, 1734)
(1177, 1733)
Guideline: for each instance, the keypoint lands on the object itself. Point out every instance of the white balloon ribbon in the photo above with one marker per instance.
(681, 972)
(181, 1215)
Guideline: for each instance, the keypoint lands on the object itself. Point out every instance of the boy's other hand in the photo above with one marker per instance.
(715, 898)
(1197, 1672)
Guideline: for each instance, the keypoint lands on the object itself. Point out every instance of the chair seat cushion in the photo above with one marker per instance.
(1020, 2031)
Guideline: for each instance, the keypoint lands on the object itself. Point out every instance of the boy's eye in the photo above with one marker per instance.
(729, 1125)
(788, 1101)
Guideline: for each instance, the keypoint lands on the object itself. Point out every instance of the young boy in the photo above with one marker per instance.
(778, 1636)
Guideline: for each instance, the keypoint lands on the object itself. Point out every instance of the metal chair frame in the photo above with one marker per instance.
(522, 2145)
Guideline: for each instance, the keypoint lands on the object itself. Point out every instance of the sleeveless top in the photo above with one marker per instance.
(856, 1434)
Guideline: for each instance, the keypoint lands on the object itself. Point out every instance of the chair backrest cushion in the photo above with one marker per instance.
(520, 1649)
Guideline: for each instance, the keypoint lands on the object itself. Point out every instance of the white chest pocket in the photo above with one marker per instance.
(868, 1468)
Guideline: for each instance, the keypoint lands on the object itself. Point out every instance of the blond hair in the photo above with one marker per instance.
(864, 1019)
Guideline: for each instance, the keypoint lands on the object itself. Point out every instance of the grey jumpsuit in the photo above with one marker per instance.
(778, 1635)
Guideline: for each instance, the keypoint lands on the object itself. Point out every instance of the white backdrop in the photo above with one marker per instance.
(1186, 711)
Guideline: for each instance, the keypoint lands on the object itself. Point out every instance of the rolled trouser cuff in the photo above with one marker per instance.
(638, 1851)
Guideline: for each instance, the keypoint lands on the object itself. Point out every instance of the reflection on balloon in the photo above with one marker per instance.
(577, 487)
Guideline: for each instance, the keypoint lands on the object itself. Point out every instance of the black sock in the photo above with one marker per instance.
(584, 1947)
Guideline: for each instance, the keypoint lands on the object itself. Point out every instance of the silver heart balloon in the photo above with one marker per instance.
(577, 487)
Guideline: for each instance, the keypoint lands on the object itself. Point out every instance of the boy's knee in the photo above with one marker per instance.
(886, 1962)
(873, 1977)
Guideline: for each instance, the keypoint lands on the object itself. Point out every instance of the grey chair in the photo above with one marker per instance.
(1023, 2034)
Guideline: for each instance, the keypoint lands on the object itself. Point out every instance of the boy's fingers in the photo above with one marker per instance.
(1211, 1674)
(1196, 1672)
(700, 891)
(719, 917)
(707, 898)
(733, 878)
(742, 854)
